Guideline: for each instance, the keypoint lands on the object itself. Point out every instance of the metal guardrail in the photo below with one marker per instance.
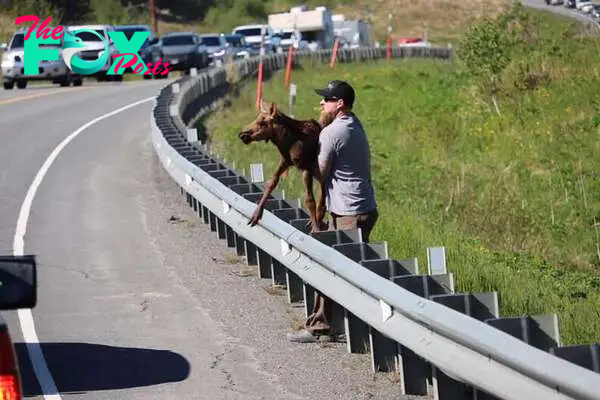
(454, 345)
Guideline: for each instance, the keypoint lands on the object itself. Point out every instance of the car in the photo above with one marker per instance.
(183, 51)
(18, 290)
(217, 46)
(290, 37)
(95, 48)
(239, 47)
(254, 36)
(586, 8)
(13, 68)
(150, 52)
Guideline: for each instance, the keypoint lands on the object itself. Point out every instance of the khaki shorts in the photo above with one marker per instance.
(365, 222)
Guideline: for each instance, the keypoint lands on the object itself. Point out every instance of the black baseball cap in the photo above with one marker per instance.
(336, 90)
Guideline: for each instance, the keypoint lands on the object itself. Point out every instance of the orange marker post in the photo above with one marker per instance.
(389, 49)
(288, 68)
(336, 45)
(259, 84)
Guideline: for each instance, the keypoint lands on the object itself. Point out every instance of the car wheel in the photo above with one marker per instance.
(8, 85)
(21, 84)
(78, 81)
(65, 81)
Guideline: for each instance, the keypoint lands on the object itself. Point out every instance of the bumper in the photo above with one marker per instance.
(179, 63)
(47, 71)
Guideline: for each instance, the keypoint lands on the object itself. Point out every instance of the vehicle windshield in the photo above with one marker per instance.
(178, 40)
(287, 35)
(130, 31)
(235, 40)
(90, 37)
(18, 42)
(249, 32)
(211, 41)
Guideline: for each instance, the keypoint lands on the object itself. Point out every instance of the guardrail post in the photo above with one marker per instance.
(414, 370)
(332, 239)
(384, 350)
(481, 306)
(357, 331)
(279, 273)
(262, 259)
(254, 254)
(539, 331)
(436, 260)
(192, 135)
(242, 189)
(221, 229)
(586, 356)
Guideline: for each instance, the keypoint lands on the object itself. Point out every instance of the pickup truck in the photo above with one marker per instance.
(18, 290)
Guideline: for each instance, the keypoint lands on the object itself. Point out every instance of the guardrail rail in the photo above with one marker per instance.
(441, 343)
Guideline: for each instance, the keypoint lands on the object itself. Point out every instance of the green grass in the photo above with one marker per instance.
(513, 197)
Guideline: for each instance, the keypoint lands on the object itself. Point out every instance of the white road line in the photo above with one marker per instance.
(34, 349)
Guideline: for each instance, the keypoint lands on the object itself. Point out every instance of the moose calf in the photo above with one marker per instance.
(298, 144)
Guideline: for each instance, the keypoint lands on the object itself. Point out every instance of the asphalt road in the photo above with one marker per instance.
(559, 9)
(135, 304)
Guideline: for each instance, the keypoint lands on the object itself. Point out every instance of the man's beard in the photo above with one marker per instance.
(326, 118)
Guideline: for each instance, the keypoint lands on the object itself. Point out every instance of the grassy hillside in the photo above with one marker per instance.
(513, 194)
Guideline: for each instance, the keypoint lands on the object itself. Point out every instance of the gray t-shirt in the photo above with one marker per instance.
(349, 187)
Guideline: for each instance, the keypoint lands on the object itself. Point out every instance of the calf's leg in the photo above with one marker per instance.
(321, 203)
(309, 199)
(270, 185)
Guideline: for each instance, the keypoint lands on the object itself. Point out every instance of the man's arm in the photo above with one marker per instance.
(323, 170)
(327, 151)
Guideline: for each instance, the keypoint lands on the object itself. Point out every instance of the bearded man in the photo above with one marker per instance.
(345, 163)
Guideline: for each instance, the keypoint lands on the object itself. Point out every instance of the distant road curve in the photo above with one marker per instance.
(559, 9)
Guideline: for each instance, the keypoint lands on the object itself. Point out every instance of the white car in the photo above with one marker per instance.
(581, 5)
(587, 8)
(95, 48)
(254, 36)
(13, 67)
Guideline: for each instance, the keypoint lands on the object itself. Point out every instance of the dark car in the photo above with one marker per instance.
(183, 51)
(18, 290)
(240, 48)
(150, 52)
(218, 49)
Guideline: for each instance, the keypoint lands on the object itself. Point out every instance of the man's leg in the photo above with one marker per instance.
(318, 322)
(320, 319)
(366, 223)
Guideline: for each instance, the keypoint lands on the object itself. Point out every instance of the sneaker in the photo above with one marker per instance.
(302, 336)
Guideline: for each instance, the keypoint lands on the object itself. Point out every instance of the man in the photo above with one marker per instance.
(345, 163)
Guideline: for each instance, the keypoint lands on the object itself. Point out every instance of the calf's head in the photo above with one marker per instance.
(263, 127)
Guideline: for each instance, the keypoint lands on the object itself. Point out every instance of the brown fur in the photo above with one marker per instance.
(298, 144)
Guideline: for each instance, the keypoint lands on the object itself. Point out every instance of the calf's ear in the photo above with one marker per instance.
(273, 109)
(263, 108)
